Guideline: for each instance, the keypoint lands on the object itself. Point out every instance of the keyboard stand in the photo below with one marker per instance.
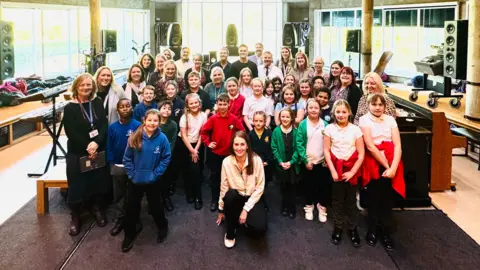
(55, 134)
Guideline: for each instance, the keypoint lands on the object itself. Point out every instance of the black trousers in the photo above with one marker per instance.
(192, 172)
(256, 218)
(170, 177)
(120, 183)
(215, 165)
(318, 185)
(344, 204)
(134, 200)
(288, 184)
(380, 202)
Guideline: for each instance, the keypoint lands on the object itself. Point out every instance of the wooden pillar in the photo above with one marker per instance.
(472, 103)
(95, 24)
(367, 25)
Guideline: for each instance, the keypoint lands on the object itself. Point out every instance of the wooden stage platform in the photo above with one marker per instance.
(454, 116)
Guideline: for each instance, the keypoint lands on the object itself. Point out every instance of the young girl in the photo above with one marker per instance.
(284, 148)
(190, 125)
(382, 169)
(289, 79)
(171, 94)
(256, 103)
(170, 129)
(277, 89)
(261, 138)
(305, 92)
(236, 99)
(344, 152)
(245, 86)
(315, 173)
(146, 158)
(269, 93)
(288, 98)
(323, 96)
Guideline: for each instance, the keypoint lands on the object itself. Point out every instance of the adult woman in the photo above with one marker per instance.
(148, 64)
(169, 73)
(245, 85)
(108, 92)
(236, 99)
(345, 88)
(382, 169)
(134, 84)
(158, 73)
(242, 186)
(197, 66)
(169, 54)
(285, 63)
(216, 86)
(300, 70)
(86, 129)
(335, 68)
(372, 84)
(318, 68)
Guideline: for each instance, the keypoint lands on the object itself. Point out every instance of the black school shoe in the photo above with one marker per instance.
(353, 234)
(117, 228)
(167, 203)
(284, 212)
(162, 235)
(387, 242)
(336, 236)
(198, 204)
(213, 207)
(371, 238)
(127, 244)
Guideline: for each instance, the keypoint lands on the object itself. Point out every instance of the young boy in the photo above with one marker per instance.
(148, 94)
(170, 129)
(217, 134)
(118, 133)
(323, 96)
(194, 83)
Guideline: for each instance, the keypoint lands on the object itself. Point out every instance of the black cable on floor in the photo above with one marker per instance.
(69, 256)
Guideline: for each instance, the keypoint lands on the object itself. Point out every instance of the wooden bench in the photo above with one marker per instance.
(56, 177)
(473, 139)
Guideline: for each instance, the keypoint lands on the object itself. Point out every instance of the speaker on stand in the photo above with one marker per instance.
(174, 38)
(7, 54)
(290, 38)
(354, 38)
(455, 49)
(109, 38)
(231, 38)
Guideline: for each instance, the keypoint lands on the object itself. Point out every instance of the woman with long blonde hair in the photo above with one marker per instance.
(109, 92)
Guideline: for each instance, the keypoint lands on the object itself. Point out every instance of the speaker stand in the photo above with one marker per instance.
(432, 102)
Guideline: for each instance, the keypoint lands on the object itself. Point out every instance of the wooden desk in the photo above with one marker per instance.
(56, 177)
(454, 116)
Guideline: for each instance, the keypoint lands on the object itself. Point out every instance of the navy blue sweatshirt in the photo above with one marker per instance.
(146, 165)
(261, 146)
(141, 109)
(117, 140)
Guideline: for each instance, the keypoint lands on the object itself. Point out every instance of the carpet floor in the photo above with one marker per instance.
(424, 239)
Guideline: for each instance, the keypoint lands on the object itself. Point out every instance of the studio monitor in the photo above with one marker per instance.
(175, 35)
(213, 57)
(353, 41)
(455, 49)
(109, 38)
(7, 64)
(232, 35)
(289, 35)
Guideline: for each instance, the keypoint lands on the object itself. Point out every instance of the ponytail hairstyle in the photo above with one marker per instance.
(135, 140)
(250, 154)
(187, 109)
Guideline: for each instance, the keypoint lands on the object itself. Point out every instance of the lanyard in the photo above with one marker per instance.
(84, 113)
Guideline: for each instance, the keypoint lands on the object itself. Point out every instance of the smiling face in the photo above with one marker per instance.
(269, 89)
(371, 86)
(305, 89)
(246, 77)
(285, 119)
(85, 88)
(376, 107)
(232, 88)
(322, 98)
(289, 96)
(159, 63)
(243, 52)
(197, 62)
(136, 75)
(151, 122)
(223, 55)
(104, 79)
(259, 49)
(222, 106)
(193, 105)
(167, 54)
(285, 54)
(217, 77)
(257, 88)
(124, 108)
(278, 86)
(185, 54)
(346, 78)
(259, 121)
(166, 111)
(240, 147)
(146, 61)
(170, 91)
(313, 110)
(335, 69)
(289, 79)
(267, 59)
(194, 82)
(301, 61)
(318, 83)
(318, 63)
(170, 70)
(148, 94)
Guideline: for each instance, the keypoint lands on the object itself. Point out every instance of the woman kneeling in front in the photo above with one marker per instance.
(242, 185)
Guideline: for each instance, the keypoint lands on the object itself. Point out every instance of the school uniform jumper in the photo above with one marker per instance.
(141, 109)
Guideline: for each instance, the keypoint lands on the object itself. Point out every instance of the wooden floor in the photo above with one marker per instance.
(30, 156)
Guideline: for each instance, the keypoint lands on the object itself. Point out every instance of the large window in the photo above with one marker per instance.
(408, 32)
(205, 22)
(51, 41)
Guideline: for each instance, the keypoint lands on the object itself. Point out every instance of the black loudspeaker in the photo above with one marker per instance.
(353, 41)
(455, 49)
(289, 35)
(231, 36)
(109, 38)
(7, 63)
(175, 35)
(213, 57)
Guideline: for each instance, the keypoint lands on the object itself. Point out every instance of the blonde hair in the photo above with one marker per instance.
(240, 79)
(99, 71)
(340, 102)
(78, 80)
(378, 81)
(301, 54)
(187, 109)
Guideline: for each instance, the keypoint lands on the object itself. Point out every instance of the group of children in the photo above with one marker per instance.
(326, 158)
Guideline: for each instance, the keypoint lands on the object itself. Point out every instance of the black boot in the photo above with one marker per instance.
(198, 204)
(118, 227)
(336, 236)
(75, 225)
(353, 234)
(371, 237)
(127, 244)
(388, 242)
(167, 203)
(162, 234)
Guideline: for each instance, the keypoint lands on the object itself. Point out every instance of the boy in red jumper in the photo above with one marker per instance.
(217, 134)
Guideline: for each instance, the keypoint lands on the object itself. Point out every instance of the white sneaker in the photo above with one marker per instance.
(308, 212)
(229, 243)
(322, 213)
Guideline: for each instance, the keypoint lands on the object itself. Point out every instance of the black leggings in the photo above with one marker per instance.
(256, 218)
(289, 188)
(318, 185)
(215, 165)
(344, 204)
(380, 201)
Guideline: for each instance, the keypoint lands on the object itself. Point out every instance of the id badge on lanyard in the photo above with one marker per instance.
(94, 132)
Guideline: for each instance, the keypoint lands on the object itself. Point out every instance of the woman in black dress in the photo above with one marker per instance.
(86, 127)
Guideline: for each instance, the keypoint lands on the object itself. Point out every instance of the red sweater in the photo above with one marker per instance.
(236, 107)
(220, 130)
